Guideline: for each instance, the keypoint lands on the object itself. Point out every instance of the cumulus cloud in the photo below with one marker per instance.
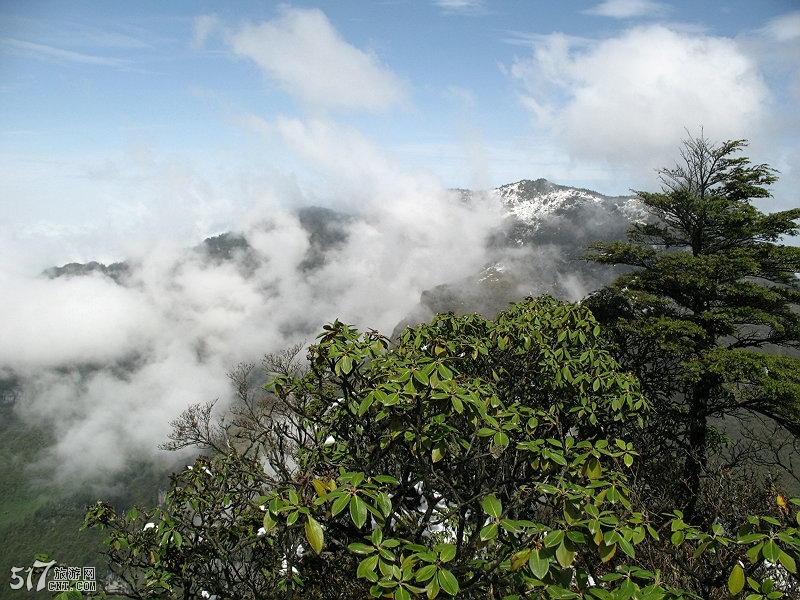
(307, 57)
(626, 9)
(627, 100)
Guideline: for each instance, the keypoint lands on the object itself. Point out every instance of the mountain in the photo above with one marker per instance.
(546, 213)
(534, 251)
(537, 249)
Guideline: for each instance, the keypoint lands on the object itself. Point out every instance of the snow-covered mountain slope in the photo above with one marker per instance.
(533, 201)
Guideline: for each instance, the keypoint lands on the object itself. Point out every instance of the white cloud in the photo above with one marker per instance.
(784, 28)
(48, 323)
(627, 100)
(167, 338)
(626, 9)
(308, 58)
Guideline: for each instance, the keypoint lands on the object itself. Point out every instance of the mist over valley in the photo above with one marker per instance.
(105, 356)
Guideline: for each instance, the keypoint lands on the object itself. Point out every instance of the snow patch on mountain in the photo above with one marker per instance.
(533, 201)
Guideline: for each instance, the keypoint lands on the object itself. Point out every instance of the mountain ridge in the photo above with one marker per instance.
(536, 212)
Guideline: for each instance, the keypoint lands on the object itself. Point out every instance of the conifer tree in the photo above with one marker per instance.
(710, 286)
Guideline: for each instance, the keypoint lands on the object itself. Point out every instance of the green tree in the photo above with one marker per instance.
(471, 458)
(711, 287)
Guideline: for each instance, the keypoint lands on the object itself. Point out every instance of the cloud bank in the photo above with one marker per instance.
(106, 366)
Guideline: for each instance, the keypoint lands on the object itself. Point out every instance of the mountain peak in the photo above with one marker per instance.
(532, 200)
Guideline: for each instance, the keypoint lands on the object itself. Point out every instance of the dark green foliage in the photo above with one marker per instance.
(712, 287)
(473, 458)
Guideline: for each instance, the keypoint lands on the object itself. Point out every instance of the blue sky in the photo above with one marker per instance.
(125, 123)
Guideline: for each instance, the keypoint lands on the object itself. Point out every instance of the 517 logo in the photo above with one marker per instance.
(64, 578)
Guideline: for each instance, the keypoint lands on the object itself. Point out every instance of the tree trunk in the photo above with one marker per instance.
(696, 449)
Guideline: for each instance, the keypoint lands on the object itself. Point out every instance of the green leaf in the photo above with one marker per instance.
(500, 439)
(320, 488)
(571, 512)
(402, 593)
(425, 573)
(421, 377)
(360, 548)
(432, 589)
(492, 506)
(539, 565)
(358, 511)
(365, 404)
(489, 532)
(366, 568)
(448, 582)
(554, 538)
(447, 552)
(564, 554)
(444, 372)
(677, 538)
(520, 558)
(736, 580)
(340, 503)
(314, 534)
(754, 552)
(384, 504)
(771, 551)
(376, 537)
(385, 479)
(592, 468)
(788, 562)
(607, 551)
(627, 547)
